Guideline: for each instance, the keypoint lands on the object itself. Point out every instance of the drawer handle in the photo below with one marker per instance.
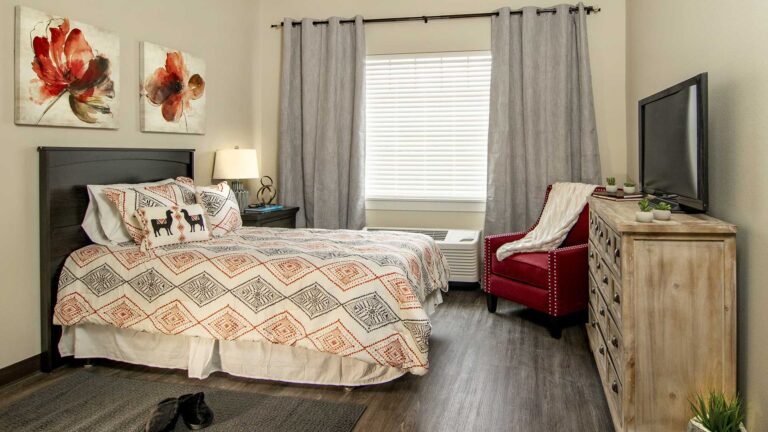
(617, 253)
(601, 233)
(599, 265)
(615, 386)
(601, 311)
(605, 279)
(594, 323)
(591, 254)
(608, 242)
(616, 298)
(615, 342)
(593, 290)
(601, 350)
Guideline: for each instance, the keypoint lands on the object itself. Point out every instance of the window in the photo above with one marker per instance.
(427, 129)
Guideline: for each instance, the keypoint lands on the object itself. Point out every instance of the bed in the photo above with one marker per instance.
(308, 306)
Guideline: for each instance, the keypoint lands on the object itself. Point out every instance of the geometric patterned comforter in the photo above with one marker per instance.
(349, 293)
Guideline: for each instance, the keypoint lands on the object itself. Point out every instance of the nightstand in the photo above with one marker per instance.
(285, 218)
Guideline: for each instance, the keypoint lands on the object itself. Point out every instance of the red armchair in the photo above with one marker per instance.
(554, 282)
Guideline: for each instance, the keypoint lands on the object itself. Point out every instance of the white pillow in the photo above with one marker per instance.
(113, 230)
(91, 224)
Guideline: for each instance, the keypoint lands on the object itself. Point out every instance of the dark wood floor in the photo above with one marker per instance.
(489, 372)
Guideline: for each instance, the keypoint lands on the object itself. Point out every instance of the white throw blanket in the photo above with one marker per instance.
(565, 203)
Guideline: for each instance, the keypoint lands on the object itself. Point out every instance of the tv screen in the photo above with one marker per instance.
(673, 143)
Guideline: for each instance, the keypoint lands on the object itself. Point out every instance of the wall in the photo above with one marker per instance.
(668, 42)
(220, 35)
(607, 46)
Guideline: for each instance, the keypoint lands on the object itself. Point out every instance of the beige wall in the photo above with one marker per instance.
(220, 35)
(607, 47)
(668, 42)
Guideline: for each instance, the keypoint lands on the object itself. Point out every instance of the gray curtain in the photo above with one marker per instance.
(322, 123)
(542, 116)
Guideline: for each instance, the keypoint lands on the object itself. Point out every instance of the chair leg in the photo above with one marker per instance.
(555, 327)
(491, 300)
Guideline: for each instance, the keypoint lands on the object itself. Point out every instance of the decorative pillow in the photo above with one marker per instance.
(171, 225)
(221, 206)
(103, 213)
(127, 199)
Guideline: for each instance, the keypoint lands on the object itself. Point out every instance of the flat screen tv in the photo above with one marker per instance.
(673, 145)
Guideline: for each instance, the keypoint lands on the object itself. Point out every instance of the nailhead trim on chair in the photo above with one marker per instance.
(552, 293)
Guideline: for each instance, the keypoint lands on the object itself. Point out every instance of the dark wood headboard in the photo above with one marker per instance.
(64, 174)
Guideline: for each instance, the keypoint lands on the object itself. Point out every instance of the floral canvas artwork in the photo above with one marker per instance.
(172, 91)
(67, 72)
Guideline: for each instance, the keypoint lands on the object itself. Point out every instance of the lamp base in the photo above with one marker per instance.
(241, 194)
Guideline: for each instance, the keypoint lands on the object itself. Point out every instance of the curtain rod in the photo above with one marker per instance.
(426, 18)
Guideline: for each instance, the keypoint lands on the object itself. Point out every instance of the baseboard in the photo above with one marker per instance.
(19, 370)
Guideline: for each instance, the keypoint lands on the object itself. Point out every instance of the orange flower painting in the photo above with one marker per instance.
(173, 90)
(66, 72)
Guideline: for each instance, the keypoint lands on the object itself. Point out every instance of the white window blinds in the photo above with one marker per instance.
(427, 126)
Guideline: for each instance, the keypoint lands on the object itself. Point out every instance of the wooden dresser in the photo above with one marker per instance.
(662, 318)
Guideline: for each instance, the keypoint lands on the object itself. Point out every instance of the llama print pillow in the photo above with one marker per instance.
(128, 199)
(221, 206)
(172, 225)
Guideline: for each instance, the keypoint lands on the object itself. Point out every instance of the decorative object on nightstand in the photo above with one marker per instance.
(266, 193)
(283, 217)
(237, 165)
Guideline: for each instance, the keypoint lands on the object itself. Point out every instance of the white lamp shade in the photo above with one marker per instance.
(236, 164)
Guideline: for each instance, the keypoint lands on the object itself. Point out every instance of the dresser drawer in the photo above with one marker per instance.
(613, 341)
(593, 256)
(602, 313)
(594, 294)
(614, 390)
(597, 343)
(604, 279)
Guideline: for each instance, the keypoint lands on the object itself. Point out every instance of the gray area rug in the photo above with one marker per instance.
(85, 401)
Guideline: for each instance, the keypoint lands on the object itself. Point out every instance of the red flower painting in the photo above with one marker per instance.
(65, 64)
(172, 89)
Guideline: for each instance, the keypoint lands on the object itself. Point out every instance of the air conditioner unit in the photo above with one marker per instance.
(460, 247)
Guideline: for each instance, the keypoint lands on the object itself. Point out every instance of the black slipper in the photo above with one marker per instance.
(195, 413)
(164, 416)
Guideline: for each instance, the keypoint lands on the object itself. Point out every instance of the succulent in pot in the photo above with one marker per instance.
(610, 184)
(717, 413)
(629, 187)
(662, 211)
(645, 214)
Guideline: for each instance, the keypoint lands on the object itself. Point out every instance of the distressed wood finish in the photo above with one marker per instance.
(64, 174)
(488, 372)
(662, 321)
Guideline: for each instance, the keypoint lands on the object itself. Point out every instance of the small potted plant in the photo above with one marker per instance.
(645, 214)
(611, 185)
(662, 211)
(717, 413)
(629, 187)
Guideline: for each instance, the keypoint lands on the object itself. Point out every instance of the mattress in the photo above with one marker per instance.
(355, 295)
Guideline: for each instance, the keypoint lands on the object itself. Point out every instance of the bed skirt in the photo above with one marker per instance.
(201, 357)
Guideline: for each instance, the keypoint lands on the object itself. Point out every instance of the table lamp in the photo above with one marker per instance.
(236, 165)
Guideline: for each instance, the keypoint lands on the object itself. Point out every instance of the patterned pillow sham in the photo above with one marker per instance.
(127, 199)
(172, 225)
(221, 206)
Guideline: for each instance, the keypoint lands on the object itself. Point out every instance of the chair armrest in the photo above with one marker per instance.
(494, 242)
(569, 269)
